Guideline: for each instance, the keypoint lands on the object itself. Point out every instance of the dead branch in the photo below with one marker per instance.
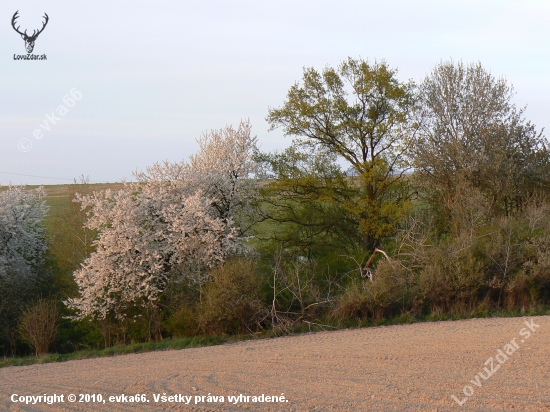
(366, 270)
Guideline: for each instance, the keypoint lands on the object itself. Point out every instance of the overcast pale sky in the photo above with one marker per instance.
(154, 75)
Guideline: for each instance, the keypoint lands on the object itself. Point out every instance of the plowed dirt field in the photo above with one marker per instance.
(418, 367)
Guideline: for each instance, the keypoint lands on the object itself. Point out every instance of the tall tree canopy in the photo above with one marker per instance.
(361, 113)
(471, 133)
(305, 199)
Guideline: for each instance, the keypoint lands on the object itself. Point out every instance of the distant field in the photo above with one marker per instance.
(56, 195)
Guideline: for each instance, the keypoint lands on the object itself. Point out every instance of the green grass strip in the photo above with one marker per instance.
(202, 341)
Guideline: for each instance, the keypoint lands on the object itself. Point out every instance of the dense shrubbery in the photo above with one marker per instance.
(232, 301)
(239, 242)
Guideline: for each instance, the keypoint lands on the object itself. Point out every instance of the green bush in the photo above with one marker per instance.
(452, 278)
(531, 285)
(182, 323)
(388, 294)
(232, 301)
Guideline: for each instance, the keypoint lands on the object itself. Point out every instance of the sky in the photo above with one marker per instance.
(152, 76)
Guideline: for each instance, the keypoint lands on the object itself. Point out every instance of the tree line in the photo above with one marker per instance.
(393, 199)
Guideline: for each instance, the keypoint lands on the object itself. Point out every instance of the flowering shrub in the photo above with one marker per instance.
(173, 224)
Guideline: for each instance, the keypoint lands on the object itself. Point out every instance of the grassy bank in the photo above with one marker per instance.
(202, 341)
(179, 343)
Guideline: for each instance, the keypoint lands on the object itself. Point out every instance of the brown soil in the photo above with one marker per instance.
(398, 368)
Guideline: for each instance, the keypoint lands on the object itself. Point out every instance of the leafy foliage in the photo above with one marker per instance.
(304, 204)
(232, 301)
(471, 133)
(361, 113)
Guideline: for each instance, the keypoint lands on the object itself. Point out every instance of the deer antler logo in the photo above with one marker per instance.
(29, 40)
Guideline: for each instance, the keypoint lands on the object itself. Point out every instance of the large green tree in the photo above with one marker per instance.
(303, 204)
(361, 113)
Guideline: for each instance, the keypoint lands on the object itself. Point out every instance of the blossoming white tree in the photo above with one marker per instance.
(22, 240)
(222, 167)
(220, 170)
(22, 245)
(175, 222)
